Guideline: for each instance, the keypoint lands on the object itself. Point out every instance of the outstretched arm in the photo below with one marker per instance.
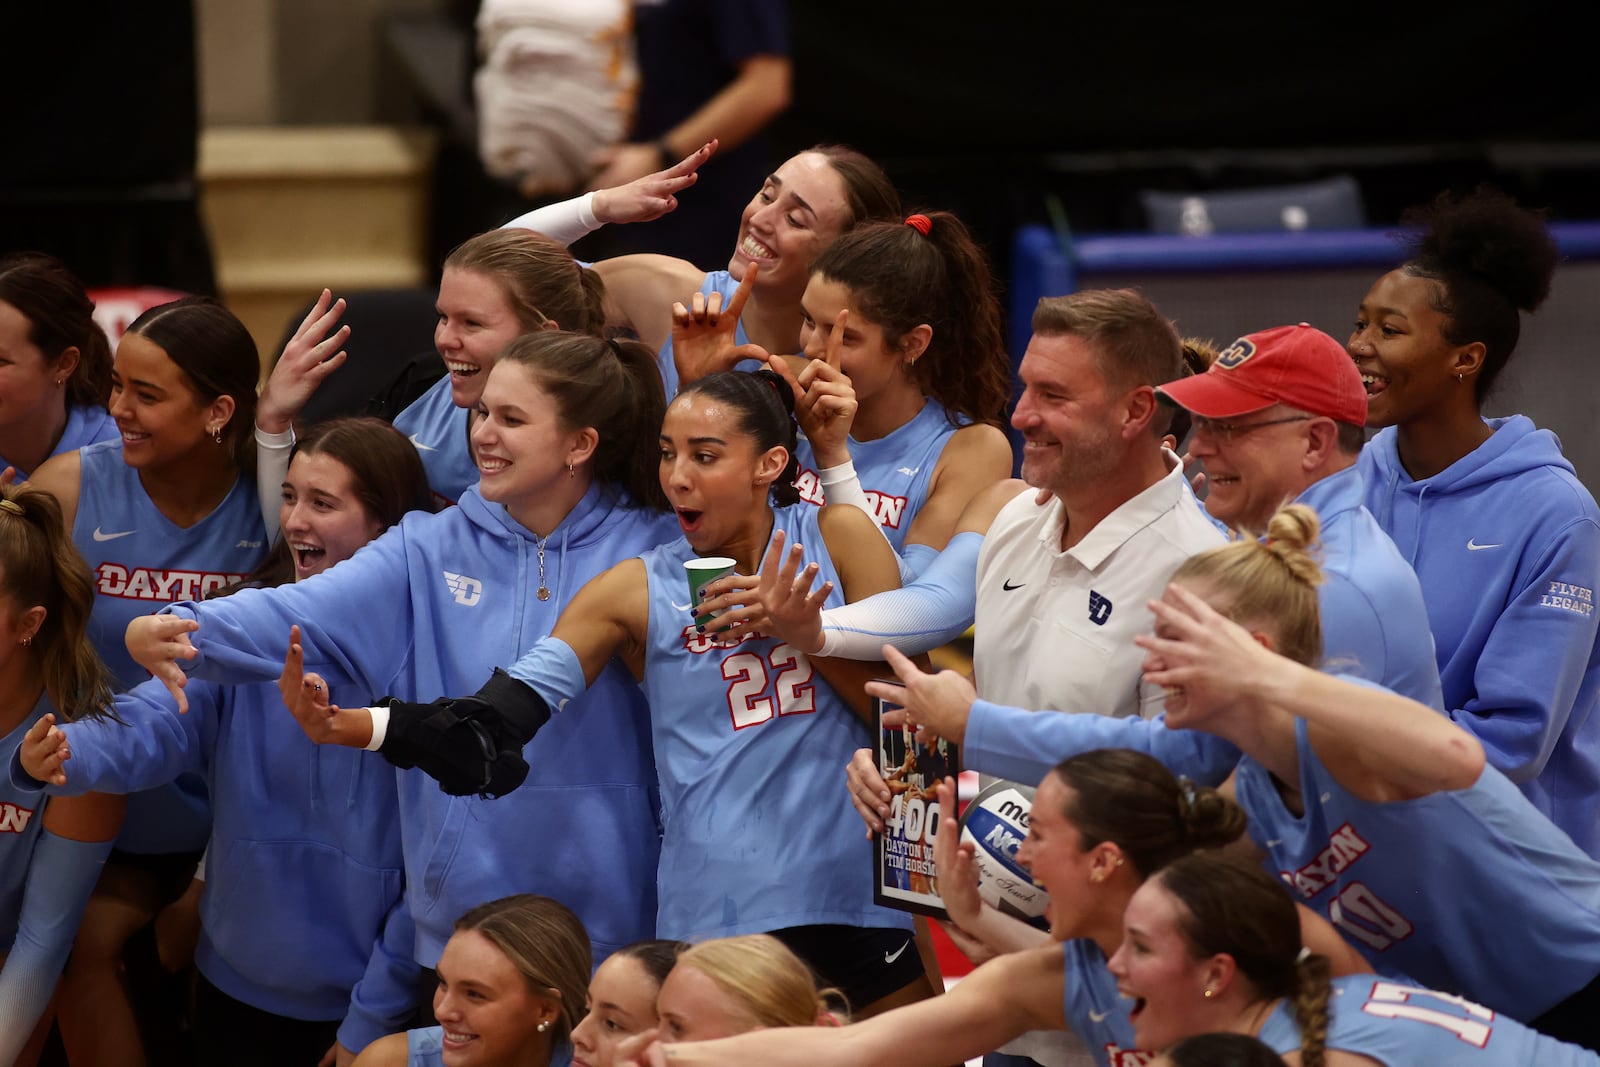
(1378, 744)
(636, 198)
(999, 1001)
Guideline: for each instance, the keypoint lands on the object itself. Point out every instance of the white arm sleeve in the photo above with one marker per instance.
(936, 608)
(564, 222)
(272, 465)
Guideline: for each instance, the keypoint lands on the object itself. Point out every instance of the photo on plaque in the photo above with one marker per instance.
(903, 854)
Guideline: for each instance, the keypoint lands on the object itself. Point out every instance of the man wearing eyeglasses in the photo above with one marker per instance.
(1279, 418)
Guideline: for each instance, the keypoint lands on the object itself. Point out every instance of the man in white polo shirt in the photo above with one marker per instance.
(1062, 585)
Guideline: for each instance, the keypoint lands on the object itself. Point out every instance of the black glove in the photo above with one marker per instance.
(468, 744)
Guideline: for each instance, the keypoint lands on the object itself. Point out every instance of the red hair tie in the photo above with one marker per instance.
(921, 223)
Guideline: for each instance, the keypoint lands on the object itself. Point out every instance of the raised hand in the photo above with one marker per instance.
(937, 704)
(953, 859)
(703, 332)
(157, 643)
(780, 602)
(306, 697)
(306, 361)
(636, 198)
(44, 749)
(825, 400)
(1201, 657)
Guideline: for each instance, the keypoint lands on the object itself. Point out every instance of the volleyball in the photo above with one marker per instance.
(995, 822)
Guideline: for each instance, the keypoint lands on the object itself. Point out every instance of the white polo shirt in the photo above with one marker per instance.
(1055, 629)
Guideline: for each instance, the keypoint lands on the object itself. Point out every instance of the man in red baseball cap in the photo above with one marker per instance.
(1279, 418)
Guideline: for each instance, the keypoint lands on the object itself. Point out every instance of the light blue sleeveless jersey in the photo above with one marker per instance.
(21, 823)
(438, 430)
(1093, 1008)
(1399, 1026)
(87, 424)
(1471, 891)
(141, 561)
(894, 470)
(750, 745)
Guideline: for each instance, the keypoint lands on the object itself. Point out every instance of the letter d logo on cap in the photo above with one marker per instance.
(1236, 353)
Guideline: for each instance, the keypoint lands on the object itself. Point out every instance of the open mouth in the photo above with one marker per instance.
(689, 519)
(307, 556)
(133, 437)
(1374, 383)
(461, 370)
(491, 465)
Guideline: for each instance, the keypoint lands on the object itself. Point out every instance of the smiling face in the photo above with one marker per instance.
(622, 1002)
(800, 208)
(1398, 343)
(694, 1008)
(476, 321)
(322, 518)
(519, 440)
(489, 1013)
(1069, 416)
(161, 418)
(712, 473)
(1252, 472)
(1154, 967)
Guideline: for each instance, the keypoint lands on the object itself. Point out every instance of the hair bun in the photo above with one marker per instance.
(1291, 533)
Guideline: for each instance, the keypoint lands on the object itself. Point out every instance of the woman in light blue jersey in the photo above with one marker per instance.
(50, 854)
(1212, 945)
(512, 984)
(292, 821)
(165, 513)
(1503, 536)
(55, 364)
(913, 310)
(1374, 809)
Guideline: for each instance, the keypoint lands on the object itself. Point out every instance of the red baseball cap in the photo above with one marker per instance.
(1299, 366)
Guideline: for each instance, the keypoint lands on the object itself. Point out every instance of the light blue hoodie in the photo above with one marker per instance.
(303, 913)
(1506, 544)
(432, 607)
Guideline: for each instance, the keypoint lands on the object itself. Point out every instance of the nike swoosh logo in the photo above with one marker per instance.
(680, 607)
(420, 446)
(1007, 586)
(1473, 546)
(100, 536)
(1097, 1016)
(890, 957)
(909, 472)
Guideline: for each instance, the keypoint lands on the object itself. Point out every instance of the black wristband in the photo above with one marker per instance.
(664, 150)
(521, 711)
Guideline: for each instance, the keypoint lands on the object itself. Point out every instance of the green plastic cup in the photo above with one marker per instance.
(704, 569)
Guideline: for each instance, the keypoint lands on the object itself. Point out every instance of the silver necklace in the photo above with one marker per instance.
(544, 590)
